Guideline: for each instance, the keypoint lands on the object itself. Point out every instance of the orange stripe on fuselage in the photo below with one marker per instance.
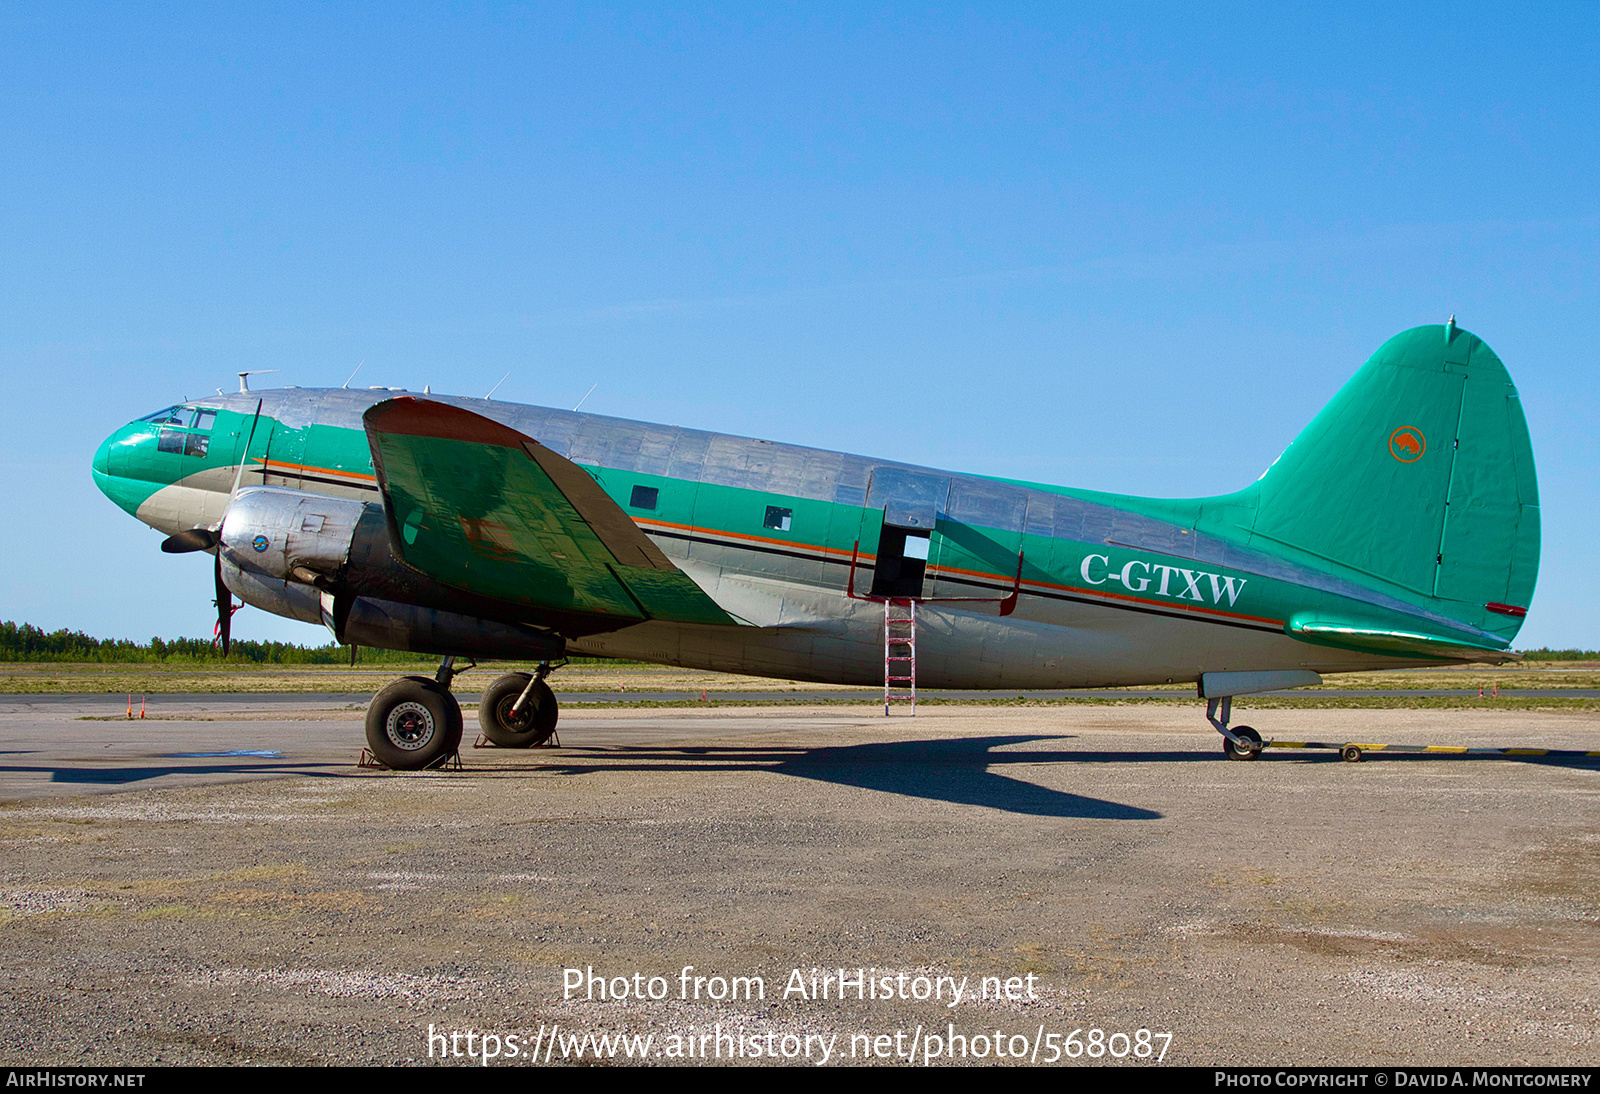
(305, 468)
(754, 539)
(1001, 579)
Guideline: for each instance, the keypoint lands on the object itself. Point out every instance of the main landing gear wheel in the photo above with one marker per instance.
(533, 724)
(413, 724)
(1251, 738)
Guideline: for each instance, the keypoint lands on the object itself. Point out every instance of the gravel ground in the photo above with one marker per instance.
(1294, 910)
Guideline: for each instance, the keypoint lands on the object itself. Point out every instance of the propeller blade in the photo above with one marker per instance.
(224, 608)
(195, 539)
(244, 454)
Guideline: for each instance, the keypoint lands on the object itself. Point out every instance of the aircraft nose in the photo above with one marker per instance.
(119, 454)
(111, 470)
(102, 456)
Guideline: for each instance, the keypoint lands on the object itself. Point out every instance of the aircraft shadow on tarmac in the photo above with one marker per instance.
(939, 770)
(952, 770)
(958, 770)
(122, 776)
(955, 771)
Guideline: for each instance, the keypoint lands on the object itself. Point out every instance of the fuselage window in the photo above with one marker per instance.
(644, 497)
(778, 519)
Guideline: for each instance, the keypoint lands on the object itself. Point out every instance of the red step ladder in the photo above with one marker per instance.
(899, 652)
(900, 630)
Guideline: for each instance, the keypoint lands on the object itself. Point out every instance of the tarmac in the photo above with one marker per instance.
(221, 884)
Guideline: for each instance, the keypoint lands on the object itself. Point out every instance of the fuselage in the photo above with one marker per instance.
(1113, 590)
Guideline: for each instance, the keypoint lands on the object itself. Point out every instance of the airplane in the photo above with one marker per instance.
(1399, 529)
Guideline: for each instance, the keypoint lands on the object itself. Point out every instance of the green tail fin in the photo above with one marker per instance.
(1418, 474)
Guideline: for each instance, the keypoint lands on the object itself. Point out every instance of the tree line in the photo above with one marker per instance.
(25, 642)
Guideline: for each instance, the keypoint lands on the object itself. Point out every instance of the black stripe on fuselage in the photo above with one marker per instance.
(303, 479)
(338, 482)
(757, 548)
(1176, 613)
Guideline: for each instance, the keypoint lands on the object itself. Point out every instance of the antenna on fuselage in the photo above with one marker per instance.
(497, 386)
(586, 395)
(244, 377)
(353, 372)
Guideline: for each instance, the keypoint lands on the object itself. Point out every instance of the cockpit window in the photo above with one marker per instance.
(188, 444)
(179, 440)
(187, 417)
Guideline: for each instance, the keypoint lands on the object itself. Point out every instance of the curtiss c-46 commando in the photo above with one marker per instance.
(1401, 528)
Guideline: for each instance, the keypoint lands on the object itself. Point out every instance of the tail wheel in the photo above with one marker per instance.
(1252, 740)
(413, 724)
(533, 724)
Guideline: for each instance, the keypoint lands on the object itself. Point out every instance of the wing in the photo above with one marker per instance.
(480, 507)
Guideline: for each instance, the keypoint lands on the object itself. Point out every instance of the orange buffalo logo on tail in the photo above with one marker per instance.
(1407, 444)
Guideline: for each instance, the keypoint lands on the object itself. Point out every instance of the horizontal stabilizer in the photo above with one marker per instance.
(1324, 630)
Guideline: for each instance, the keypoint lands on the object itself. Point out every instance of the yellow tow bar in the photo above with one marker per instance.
(1352, 751)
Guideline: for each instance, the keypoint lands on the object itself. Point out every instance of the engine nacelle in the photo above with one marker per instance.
(288, 534)
(327, 560)
(388, 625)
(272, 594)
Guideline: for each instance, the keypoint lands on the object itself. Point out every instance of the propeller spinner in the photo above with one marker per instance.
(195, 539)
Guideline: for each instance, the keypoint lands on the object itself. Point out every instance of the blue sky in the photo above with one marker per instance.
(1131, 248)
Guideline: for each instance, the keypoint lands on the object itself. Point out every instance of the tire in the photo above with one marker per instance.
(1350, 754)
(533, 725)
(1234, 752)
(413, 724)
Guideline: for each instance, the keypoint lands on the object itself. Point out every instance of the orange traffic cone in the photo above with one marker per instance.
(130, 705)
(141, 706)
